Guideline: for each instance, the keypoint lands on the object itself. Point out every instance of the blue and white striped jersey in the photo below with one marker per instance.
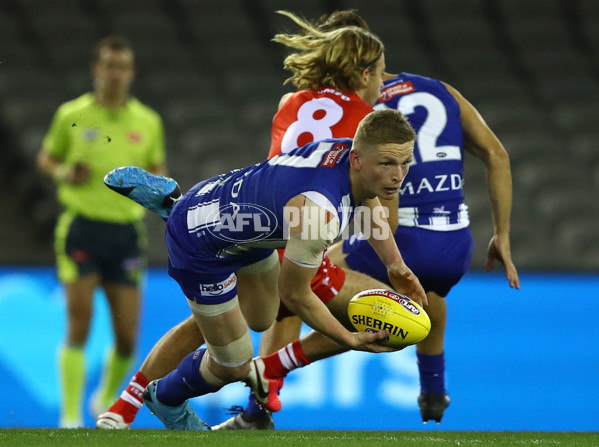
(432, 194)
(244, 209)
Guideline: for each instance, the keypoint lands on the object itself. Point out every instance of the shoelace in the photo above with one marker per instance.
(234, 410)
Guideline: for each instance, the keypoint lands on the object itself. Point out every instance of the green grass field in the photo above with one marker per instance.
(90, 437)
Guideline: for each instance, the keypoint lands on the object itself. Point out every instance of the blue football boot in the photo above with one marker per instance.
(154, 192)
(174, 418)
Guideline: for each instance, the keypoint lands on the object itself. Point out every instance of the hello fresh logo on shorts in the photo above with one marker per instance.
(219, 288)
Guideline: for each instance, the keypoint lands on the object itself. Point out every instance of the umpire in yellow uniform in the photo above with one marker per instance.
(100, 237)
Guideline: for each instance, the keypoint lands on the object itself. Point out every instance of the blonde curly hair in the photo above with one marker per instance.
(336, 58)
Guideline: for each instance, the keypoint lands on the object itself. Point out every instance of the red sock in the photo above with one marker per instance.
(131, 399)
(284, 360)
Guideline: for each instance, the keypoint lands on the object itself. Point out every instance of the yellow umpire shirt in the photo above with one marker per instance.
(84, 131)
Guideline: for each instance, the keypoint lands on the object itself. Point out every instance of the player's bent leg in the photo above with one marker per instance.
(264, 395)
(154, 192)
(226, 359)
(437, 312)
(433, 398)
(266, 374)
(280, 334)
(257, 286)
(163, 358)
(172, 347)
(265, 378)
(179, 417)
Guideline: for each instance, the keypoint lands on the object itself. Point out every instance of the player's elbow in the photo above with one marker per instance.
(499, 159)
(288, 298)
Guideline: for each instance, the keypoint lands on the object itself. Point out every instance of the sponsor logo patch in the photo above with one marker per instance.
(219, 288)
(398, 89)
(331, 158)
(407, 304)
(386, 293)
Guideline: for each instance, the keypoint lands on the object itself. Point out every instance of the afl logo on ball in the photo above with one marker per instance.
(409, 306)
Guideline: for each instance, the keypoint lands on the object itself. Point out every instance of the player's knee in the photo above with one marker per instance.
(262, 324)
(234, 358)
(261, 321)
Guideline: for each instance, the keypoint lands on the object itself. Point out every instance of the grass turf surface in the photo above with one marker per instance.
(90, 437)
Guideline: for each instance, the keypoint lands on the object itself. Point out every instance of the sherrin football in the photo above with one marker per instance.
(379, 309)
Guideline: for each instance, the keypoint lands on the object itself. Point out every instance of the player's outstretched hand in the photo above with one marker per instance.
(404, 281)
(499, 250)
(370, 342)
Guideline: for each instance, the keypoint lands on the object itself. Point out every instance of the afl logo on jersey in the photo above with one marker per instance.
(242, 222)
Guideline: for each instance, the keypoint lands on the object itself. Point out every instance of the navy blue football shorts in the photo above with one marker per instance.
(438, 258)
(203, 275)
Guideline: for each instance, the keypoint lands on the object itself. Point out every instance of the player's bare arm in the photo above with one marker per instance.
(299, 265)
(392, 215)
(480, 141)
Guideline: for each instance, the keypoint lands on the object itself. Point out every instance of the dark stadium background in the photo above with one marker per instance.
(531, 67)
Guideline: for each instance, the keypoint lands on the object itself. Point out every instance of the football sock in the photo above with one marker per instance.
(184, 382)
(115, 368)
(432, 373)
(253, 409)
(286, 359)
(72, 371)
(131, 399)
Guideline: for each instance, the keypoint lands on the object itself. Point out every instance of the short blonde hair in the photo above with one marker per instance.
(382, 127)
(336, 58)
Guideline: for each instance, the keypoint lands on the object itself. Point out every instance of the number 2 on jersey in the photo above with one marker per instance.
(431, 129)
(309, 121)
